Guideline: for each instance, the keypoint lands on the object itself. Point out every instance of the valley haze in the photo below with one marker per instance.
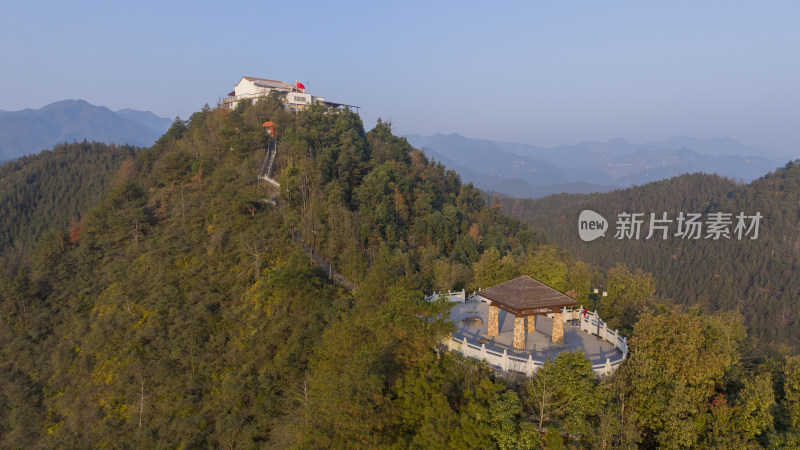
(524, 170)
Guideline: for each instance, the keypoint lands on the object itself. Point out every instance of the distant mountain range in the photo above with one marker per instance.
(523, 170)
(515, 169)
(32, 130)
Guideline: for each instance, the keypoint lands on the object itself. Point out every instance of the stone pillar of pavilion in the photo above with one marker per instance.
(519, 333)
(493, 319)
(531, 323)
(558, 328)
(525, 297)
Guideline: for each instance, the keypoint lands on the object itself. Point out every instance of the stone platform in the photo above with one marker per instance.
(537, 343)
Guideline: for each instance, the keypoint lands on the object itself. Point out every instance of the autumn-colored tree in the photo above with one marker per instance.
(475, 233)
(491, 269)
(791, 391)
(547, 266)
(629, 293)
(678, 361)
(564, 392)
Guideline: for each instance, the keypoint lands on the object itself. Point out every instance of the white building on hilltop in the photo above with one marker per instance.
(294, 97)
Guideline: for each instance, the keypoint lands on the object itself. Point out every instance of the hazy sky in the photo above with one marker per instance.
(543, 73)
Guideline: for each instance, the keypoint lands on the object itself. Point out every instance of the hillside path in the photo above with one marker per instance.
(322, 264)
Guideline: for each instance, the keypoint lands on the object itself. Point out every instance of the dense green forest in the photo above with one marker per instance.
(757, 277)
(181, 313)
(54, 188)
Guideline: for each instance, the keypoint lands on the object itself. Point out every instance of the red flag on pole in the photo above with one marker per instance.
(300, 85)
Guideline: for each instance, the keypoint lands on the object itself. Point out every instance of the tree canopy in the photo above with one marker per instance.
(183, 311)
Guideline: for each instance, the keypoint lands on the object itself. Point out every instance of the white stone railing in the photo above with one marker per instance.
(506, 362)
(453, 296)
(510, 363)
(461, 296)
(589, 324)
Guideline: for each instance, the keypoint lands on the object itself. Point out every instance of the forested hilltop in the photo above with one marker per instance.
(757, 277)
(53, 188)
(181, 313)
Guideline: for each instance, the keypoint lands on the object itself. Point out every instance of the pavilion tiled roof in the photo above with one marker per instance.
(526, 296)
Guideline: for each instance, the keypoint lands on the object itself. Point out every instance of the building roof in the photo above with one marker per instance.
(262, 79)
(525, 296)
(265, 80)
